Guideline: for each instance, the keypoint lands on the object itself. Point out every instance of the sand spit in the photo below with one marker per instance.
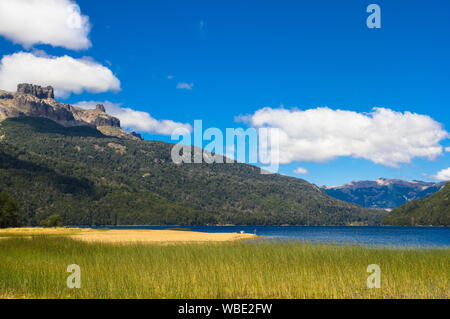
(157, 236)
(128, 235)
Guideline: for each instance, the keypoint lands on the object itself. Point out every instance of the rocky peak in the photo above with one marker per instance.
(139, 136)
(36, 91)
(101, 108)
(37, 101)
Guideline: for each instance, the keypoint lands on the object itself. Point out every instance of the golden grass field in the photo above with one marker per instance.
(33, 264)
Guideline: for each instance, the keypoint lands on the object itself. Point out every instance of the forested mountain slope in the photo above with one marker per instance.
(432, 210)
(89, 178)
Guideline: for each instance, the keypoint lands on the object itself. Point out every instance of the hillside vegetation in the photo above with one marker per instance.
(91, 179)
(432, 210)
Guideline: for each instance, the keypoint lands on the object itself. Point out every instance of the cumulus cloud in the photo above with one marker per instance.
(185, 86)
(54, 22)
(301, 171)
(447, 149)
(137, 120)
(66, 74)
(443, 175)
(382, 136)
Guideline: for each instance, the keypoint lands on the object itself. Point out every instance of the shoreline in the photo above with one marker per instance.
(219, 225)
(126, 235)
(346, 237)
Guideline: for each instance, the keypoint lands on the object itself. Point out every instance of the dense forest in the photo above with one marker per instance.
(8, 212)
(432, 210)
(91, 179)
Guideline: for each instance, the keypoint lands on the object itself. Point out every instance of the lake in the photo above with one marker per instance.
(388, 236)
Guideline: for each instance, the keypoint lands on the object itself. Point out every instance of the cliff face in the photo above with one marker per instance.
(36, 101)
(37, 91)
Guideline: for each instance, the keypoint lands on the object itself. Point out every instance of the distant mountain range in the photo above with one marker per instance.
(382, 193)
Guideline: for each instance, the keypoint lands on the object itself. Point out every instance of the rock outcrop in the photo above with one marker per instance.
(36, 90)
(33, 100)
(101, 108)
(139, 136)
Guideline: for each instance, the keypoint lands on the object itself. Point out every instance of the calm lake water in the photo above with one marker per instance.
(390, 236)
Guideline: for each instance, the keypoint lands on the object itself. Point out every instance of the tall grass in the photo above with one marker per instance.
(36, 268)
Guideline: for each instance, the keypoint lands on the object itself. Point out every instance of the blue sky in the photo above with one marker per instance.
(242, 56)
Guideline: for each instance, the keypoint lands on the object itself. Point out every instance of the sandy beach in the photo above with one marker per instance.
(157, 236)
(127, 235)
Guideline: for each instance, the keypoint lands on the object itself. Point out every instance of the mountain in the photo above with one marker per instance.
(382, 193)
(92, 178)
(33, 100)
(432, 210)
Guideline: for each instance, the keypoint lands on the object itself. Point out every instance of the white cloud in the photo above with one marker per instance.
(443, 175)
(137, 120)
(382, 136)
(447, 149)
(54, 22)
(185, 86)
(301, 171)
(66, 74)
